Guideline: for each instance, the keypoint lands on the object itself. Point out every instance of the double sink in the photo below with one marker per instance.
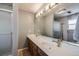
(49, 46)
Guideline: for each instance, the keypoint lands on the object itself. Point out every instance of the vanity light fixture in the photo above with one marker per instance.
(61, 11)
(47, 7)
(51, 5)
(41, 12)
(37, 15)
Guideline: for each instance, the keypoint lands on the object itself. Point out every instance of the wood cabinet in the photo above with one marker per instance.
(41, 53)
(30, 46)
(34, 49)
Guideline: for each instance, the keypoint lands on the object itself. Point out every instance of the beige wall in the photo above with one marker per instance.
(26, 26)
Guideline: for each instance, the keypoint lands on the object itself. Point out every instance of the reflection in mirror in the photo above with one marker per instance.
(67, 27)
(60, 25)
(65, 23)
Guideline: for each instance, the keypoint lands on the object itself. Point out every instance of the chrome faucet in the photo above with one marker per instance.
(59, 42)
(61, 37)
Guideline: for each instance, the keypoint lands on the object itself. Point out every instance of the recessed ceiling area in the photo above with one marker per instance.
(70, 8)
(31, 7)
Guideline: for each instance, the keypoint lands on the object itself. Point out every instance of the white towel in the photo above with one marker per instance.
(76, 31)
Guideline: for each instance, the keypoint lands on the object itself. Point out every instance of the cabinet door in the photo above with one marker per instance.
(41, 53)
(30, 46)
(34, 49)
(35, 52)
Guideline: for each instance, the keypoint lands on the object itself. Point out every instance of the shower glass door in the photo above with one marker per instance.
(5, 33)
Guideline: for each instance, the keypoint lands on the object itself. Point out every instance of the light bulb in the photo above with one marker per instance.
(47, 7)
(52, 4)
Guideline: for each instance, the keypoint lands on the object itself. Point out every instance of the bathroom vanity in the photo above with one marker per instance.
(44, 46)
(35, 50)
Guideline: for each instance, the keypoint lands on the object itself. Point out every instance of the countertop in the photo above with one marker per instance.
(47, 45)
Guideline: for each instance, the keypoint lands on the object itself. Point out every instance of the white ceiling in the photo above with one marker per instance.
(34, 7)
(73, 7)
(30, 7)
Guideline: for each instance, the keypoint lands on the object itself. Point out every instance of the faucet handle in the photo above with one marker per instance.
(59, 42)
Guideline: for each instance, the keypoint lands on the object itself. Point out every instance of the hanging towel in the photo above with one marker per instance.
(76, 31)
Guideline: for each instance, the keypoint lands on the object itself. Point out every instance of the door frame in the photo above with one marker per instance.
(15, 30)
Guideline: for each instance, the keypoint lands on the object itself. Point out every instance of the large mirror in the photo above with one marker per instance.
(61, 23)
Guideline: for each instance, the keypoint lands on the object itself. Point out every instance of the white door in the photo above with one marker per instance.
(5, 33)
